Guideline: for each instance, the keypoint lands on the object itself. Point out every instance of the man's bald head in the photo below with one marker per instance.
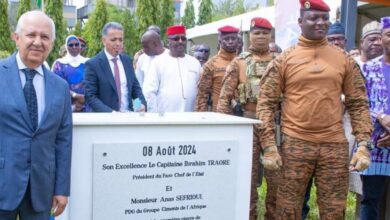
(154, 28)
(151, 43)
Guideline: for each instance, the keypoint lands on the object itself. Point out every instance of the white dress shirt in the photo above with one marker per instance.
(171, 83)
(143, 65)
(39, 84)
(122, 75)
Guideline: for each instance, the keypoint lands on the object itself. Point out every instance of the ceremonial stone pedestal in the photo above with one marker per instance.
(160, 167)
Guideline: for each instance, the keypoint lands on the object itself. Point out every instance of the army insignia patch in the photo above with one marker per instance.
(253, 24)
(307, 5)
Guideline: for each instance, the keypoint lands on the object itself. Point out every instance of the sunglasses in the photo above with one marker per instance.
(74, 45)
(83, 46)
(203, 50)
(177, 38)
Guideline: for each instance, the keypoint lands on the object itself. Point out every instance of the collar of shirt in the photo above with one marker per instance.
(109, 56)
(22, 66)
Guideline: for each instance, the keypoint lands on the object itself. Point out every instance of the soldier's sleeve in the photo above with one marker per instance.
(356, 101)
(268, 102)
(204, 88)
(229, 85)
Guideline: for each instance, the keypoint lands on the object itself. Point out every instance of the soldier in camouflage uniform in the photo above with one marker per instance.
(311, 76)
(242, 78)
(210, 82)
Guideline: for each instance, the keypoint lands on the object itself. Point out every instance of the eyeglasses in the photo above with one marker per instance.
(74, 45)
(177, 38)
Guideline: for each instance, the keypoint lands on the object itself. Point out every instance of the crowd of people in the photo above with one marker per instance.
(325, 112)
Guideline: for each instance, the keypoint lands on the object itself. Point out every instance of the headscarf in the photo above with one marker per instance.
(68, 58)
(336, 28)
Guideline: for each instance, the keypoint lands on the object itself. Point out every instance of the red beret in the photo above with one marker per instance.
(228, 29)
(318, 5)
(176, 29)
(260, 23)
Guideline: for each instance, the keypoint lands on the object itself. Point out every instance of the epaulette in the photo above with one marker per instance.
(244, 55)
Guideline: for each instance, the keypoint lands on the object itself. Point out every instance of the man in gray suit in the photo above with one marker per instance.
(35, 126)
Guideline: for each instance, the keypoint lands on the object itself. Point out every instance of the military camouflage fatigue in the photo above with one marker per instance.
(272, 179)
(308, 117)
(311, 77)
(210, 82)
(328, 163)
(237, 76)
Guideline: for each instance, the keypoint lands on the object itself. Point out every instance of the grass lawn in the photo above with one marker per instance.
(313, 214)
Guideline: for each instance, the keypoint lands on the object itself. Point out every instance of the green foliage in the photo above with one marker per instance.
(24, 6)
(77, 28)
(205, 12)
(4, 54)
(239, 7)
(314, 212)
(6, 43)
(131, 41)
(229, 8)
(270, 2)
(167, 15)
(114, 13)
(92, 30)
(54, 9)
(148, 13)
(188, 19)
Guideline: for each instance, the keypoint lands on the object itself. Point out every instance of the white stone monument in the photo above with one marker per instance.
(163, 167)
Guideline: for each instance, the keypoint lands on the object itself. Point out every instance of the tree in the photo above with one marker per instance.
(131, 41)
(188, 19)
(114, 13)
(223, 10)
(239, 7)
(148, 13)
(167, 15)
(54, 9)
(205, 12)
(92, 30)
(6, 43)
(24, 6)
(77, 29)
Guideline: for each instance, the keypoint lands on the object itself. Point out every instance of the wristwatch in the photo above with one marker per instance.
(369, 145)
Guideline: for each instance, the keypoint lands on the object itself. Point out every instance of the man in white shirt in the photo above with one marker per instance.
(152, 47)
(171, 82)
(110, 82)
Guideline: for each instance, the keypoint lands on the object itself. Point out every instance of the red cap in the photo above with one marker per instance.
(176, 29)
(228, 29)
(260, 23)
(318, 5)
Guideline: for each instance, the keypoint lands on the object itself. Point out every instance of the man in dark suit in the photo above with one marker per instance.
(110, 82)
(35, 128)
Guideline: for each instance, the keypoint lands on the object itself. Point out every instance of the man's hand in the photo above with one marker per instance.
(384, 140)
(271, 158)
(361, 159)
(142, 108)
(59, 204)
(385, 121)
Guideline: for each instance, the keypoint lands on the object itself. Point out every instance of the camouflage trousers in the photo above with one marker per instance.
(271, 178)
(255, 173)
(328, 163)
